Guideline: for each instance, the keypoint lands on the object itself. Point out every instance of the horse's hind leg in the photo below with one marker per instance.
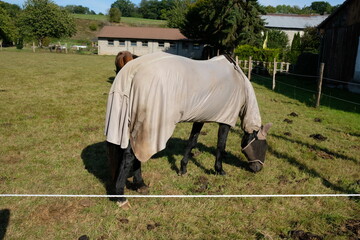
(124, 169)
(221, 145)
(197, 126)
(138, 180)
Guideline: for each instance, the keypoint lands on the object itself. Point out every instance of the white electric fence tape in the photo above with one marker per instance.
(182, 196)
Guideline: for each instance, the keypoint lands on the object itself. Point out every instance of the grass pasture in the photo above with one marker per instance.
(52, 109)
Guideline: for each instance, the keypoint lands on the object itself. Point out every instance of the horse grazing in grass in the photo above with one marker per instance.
(122, 58)
(154, 92)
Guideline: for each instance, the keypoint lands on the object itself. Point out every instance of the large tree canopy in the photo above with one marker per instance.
(224, 23)
(126, 7)
(8, 31)
(43, 18)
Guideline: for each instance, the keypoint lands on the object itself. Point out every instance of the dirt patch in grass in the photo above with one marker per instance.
(352, 226)
(13, 159)
(301, 235)
(201, 184)
(59, 211)
(319, 120)
(89, 129)
(318, 137)
(293, 114)
(288, 120)
(5, 125)
(322, 154)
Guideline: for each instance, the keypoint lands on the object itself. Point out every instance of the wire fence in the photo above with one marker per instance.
(314, 83)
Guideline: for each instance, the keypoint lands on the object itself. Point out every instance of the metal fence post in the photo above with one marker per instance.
(321, 73)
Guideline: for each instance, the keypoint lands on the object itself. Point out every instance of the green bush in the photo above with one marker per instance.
(93, 26)
(20, 43)
(258, 54)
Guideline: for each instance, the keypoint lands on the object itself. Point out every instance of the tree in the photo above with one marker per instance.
(114, 15)
(310, 41)
(126, 7)
(223, 23)
(78, 9)
(176, 15)
(8, 30)
(42, 19)
(277, 39)
(321, 7)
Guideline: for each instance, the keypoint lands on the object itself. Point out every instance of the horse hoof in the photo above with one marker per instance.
(182, 173)
(222, 173)
(124, 204)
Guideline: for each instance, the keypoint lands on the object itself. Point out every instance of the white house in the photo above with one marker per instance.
(143, 40)
(292, 23)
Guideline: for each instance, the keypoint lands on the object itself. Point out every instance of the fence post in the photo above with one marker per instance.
(274, 72)
(250, 68)
(33, 46)
(321, 73)
(237, 60)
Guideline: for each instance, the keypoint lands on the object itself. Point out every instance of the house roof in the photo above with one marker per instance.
(292, 21)
(141, 33)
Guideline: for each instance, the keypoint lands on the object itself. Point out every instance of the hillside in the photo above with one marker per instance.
(88, 26)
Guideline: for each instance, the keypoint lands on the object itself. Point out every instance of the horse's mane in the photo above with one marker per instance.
(232, 60)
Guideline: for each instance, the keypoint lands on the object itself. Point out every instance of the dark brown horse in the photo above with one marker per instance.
(122, 58)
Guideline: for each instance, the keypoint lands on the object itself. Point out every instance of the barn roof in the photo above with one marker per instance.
(292, 21)
(343, 5)
(141, 33)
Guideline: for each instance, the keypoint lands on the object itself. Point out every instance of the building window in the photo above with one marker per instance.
(133, 43)
(161, 44)
(145, 43)
(172, 45)
(185, 45)
(122, 43)
(111, 42)
(196, 46)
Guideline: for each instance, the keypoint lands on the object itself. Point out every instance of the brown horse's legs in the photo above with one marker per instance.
(221, 145)
(197, 126)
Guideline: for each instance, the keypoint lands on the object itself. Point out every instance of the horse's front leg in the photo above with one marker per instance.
(221, 145)
(125, 167)
(197, 126)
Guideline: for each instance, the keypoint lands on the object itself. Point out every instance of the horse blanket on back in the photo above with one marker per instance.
(154, 92)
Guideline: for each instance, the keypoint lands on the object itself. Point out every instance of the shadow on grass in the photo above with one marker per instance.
(303, 167)
(95, 160)
(305, 91)
(317, 148)
(4, 222)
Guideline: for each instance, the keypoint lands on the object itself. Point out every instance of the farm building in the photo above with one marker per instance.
(143, 40)
(340, 50)
(292, 23)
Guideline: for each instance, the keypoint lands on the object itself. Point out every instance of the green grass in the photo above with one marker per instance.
(129, 21)
(51, 133)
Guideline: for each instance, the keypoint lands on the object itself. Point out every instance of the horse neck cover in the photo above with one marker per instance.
(154, 92)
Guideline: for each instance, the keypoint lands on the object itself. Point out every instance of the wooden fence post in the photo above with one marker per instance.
(237, 60)
(33, 46)
(250, 68)
(321, 73)
(274, 72)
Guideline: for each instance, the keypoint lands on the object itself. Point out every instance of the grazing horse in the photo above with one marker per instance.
(122, 58)
(154, 92)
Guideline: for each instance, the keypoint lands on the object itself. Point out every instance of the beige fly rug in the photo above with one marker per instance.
(154, 92)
